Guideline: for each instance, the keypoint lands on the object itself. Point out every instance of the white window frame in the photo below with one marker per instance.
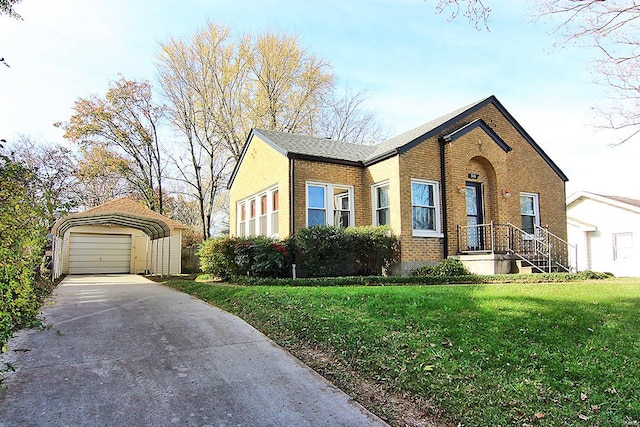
(268, 215)
(436, 201)
(274, 214)
(536, 211)
(622, 253)
(241, 211)
(374, 202)
(329, 211)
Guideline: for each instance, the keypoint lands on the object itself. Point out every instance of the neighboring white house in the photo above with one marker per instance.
(606, 232)
(120, 236)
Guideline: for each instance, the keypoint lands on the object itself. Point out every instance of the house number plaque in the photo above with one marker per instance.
(473, 176)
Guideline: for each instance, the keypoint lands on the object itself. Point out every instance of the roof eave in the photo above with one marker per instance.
(301, 156)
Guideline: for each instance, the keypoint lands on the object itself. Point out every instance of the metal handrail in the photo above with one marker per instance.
(540, 247)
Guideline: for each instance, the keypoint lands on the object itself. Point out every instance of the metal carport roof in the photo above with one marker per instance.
(152, 227)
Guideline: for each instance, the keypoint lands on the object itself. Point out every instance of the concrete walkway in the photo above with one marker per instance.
(120, 350)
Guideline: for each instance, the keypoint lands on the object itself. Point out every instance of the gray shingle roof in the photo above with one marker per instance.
(396, 142)
(305, 145)
(339, 150)
(323, 149)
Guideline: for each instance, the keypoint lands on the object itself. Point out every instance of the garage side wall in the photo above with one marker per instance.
(166, 254)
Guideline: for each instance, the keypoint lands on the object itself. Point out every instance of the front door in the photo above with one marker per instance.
(475, 209)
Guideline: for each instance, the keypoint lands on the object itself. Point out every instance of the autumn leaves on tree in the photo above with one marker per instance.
(216, 86)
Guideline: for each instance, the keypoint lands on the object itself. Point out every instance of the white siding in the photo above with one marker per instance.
(595, 248)
(163, 253)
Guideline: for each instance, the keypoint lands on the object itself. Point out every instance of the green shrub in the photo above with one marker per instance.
(374, 249)
(447, 268)
(217, 257)
(329, 251)
(324, 252)
(22, 238)
(226, 257)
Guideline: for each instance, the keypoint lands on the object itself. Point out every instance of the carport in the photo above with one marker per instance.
(120, 236)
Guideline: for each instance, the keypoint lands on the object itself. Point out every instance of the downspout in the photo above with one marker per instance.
(292, 217)
(443, 186)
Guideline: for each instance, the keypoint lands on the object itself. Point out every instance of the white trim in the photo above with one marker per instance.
(575, 197)
(246, 204)
(374, 200)
(618, 250)
(436, 201)
(329, 210)
(536, 209)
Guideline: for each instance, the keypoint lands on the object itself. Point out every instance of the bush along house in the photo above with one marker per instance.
(471, 184)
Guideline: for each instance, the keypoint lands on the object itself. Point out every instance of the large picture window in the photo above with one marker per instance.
(425, 208)
(529, 212)
(329, 204)
(258, 214)
(380, 193)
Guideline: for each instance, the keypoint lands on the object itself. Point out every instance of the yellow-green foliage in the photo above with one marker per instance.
(21, 240)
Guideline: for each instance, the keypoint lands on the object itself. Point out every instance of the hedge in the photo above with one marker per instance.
(422, 280)
(316, 251)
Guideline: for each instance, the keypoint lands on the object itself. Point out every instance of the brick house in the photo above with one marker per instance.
(472, 184)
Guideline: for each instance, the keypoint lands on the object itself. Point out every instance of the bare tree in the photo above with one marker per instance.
(6, 8)
(474, 10)
(346, 119)
(219, 86)
(126, 120)
(610, 29)
(204, 82)
(53, 168)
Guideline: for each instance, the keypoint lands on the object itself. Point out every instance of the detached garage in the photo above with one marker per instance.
(99, 253)
(120, 236)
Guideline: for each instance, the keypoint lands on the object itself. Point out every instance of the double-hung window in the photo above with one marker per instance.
(329, 204)
(622, 246)
(425, 208)
(529, 212)
(380, 197)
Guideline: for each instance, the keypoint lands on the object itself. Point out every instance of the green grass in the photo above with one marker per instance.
(516, 354)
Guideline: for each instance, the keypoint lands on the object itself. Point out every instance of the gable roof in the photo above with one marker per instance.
(617, 201)
(332, 151)
(296, 146)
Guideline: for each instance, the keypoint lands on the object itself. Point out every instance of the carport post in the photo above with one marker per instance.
(162, 263)
(155, 271)
(169, 267)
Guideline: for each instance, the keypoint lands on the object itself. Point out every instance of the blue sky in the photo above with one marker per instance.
(414, 65)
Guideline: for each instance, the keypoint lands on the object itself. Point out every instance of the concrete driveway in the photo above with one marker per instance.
(120, 350)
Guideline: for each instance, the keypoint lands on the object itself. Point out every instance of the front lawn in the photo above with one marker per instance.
(517, 354)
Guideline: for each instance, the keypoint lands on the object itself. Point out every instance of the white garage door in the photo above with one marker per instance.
(99, 253)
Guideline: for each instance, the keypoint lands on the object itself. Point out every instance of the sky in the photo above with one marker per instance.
(413, 64)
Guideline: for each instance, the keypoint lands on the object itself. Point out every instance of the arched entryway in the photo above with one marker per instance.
(480, 201)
